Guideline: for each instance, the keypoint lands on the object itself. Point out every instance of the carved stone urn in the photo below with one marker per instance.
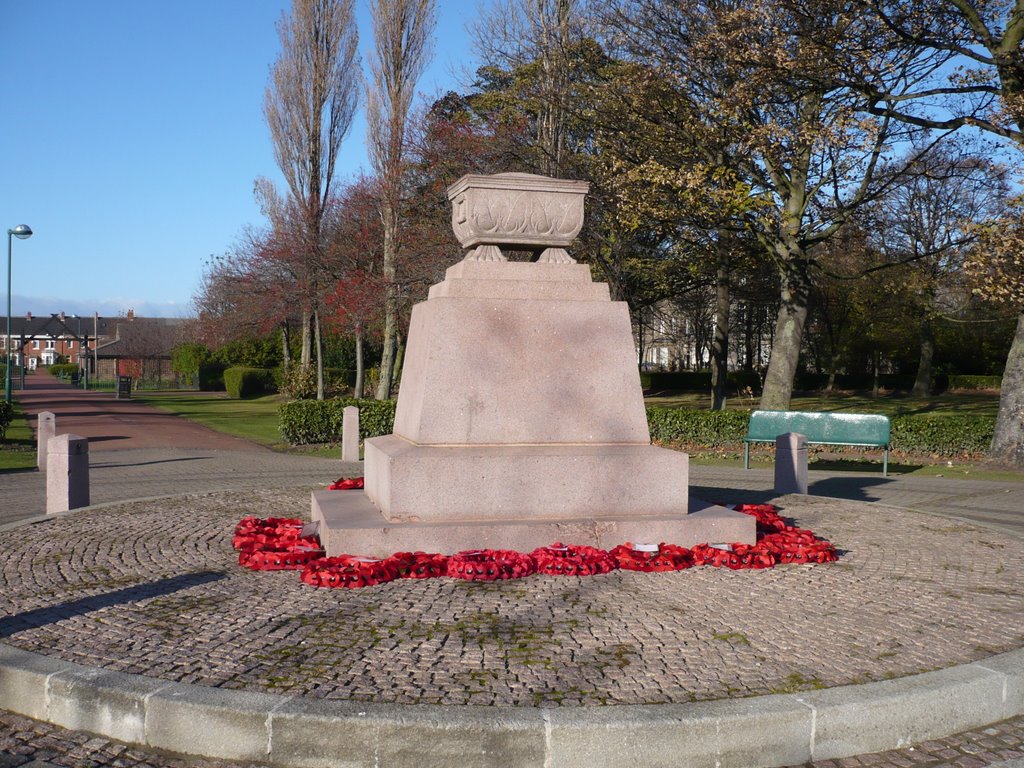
(519, 210)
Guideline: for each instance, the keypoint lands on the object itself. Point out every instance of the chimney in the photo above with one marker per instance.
(62, 317)
(28, 315)
(131, 314)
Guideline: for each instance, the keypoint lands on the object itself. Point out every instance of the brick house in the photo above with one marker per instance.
(42, 341)
(128, 346)
(140, 347)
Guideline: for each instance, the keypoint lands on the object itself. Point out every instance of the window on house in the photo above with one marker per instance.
(51, 344)
(35, 343)
(69, 344)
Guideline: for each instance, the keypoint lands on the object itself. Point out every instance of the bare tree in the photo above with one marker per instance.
(401, 34)
(514, 33)
(309, 106)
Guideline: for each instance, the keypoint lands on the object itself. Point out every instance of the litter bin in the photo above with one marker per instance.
(124, 388)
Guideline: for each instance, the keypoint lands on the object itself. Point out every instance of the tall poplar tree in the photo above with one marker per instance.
(401, 35)
(310, 101)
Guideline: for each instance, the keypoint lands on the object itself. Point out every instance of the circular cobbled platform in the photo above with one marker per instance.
(153, 589)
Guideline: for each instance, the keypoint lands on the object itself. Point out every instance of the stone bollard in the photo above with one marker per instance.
(791, 463)
(350, 434)
(46, 427)
(67, 476)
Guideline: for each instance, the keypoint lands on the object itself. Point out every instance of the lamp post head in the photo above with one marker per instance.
(22, 231)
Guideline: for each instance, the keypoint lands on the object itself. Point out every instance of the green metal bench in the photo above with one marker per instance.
(867, 430)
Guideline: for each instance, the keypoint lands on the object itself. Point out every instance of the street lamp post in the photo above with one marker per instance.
(22, 232)
(83, 354)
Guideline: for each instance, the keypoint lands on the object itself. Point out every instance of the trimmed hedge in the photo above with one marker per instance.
(303, 422)
(319, 421)
(952, 435)
(696, 381)
(240, 381)
(957, 381)
(712, 429)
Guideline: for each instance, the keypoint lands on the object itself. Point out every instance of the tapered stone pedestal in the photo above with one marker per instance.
(520, 418)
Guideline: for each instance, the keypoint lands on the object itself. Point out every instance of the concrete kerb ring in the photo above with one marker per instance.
(774, 730)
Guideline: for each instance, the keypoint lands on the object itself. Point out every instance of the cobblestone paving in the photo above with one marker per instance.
(153, 589)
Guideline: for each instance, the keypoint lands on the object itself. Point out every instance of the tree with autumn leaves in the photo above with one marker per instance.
(719, 139)
(979, 88)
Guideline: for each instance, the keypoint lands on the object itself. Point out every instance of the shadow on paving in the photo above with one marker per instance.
(852, 488)
(112, 465)
(39, 617)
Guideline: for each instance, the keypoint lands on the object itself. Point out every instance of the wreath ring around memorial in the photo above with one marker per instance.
(490, 565)
(572, 560)
(348, 571)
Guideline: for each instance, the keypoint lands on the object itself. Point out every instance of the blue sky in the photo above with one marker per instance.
(132, 132)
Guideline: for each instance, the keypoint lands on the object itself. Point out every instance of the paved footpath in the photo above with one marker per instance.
(138, 452)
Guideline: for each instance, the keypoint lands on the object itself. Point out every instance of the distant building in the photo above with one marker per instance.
(128, 346)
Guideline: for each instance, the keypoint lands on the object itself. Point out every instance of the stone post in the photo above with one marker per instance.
(67, 476)
(46, 427)
(791, 463)
(350, 434)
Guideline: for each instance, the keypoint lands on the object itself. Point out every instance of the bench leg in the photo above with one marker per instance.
(885, 463)
(746, 455)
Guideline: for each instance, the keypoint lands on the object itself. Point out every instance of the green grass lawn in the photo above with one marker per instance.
(18, 449)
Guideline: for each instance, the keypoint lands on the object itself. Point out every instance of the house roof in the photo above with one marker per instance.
(147, 337)
(53, 325)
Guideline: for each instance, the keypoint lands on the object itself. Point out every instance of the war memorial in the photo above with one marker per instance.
(520, 423)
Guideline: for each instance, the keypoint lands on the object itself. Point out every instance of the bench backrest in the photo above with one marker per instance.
(851, 428)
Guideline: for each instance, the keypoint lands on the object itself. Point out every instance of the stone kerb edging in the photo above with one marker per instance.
(294, 731)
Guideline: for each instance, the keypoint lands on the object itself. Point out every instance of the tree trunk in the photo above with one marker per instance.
(789, 332)
(833, 365)
(307, 341)
(874, 380)
(357, 392)
(748, 339)
(319, 356)
(923, 382)
(285, 351)
(396, 371)
(640, 349)
(389, 215)
(1008, 440)
(720, 343)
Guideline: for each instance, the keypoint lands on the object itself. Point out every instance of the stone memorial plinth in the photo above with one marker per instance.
(520, 416)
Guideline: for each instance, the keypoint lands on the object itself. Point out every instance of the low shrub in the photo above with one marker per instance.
(712, 429)
(299, 383)
(6, 417)
(241, 381)
(957, 381)
(697, 381)
(854, 382)
(211, 377)
(63, 370)
(304, 422)
(953, 435)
